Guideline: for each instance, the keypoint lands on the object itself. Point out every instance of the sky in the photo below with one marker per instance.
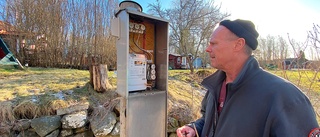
(271, 17)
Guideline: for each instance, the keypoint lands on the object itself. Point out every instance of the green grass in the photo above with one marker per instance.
(307, 80)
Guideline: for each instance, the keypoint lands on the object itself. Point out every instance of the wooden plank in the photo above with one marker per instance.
(123, 119)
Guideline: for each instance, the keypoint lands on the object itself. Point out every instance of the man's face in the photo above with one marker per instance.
(220, 48)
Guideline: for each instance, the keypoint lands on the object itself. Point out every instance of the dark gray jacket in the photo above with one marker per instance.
(258, 104)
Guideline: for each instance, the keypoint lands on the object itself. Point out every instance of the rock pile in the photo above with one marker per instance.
(72, 121)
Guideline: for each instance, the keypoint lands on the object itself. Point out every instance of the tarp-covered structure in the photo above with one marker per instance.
(6, 56)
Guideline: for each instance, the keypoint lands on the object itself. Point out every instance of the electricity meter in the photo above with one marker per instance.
(137, 72)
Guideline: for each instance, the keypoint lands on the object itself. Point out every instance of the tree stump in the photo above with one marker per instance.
(99, 77)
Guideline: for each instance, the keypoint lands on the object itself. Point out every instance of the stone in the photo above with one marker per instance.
(28, 133)
(72, 109)
(102, 123)
(116, 129)
(45, 125)
(22, 125)
(66, 132)
(75, 120)
(54, 133)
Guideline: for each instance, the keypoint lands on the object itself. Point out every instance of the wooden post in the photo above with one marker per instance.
(123, 105)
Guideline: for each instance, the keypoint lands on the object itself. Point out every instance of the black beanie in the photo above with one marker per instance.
(243, 29)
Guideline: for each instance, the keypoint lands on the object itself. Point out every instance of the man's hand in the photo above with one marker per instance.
(186, 131)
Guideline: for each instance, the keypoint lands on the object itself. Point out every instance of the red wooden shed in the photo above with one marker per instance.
(175, 61)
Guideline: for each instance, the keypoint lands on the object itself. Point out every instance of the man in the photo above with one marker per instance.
(242, 99)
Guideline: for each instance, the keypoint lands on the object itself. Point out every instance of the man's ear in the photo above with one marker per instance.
(239, 44)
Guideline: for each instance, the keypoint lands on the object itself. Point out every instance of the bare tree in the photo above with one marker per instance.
(261, 52)
(313, 37)
(191, 24)
(313, 42)
(283, 48)
(61, 33)
(271, 50)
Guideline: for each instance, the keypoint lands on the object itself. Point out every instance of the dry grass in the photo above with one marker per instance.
(26, 110)
(35, 92)
(6, 112)
(185, 94)
(32, 93)
(50, 107)
(103, 110)
(34, 81)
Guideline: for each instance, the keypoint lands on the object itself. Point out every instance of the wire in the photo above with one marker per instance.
(131, 48)
(145, 51)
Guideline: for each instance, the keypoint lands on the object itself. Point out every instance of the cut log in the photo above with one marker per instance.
(99, 77)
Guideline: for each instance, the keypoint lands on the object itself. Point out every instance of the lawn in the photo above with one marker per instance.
(35, 92)
(35, 81)
(45, 85)
(307, 80)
